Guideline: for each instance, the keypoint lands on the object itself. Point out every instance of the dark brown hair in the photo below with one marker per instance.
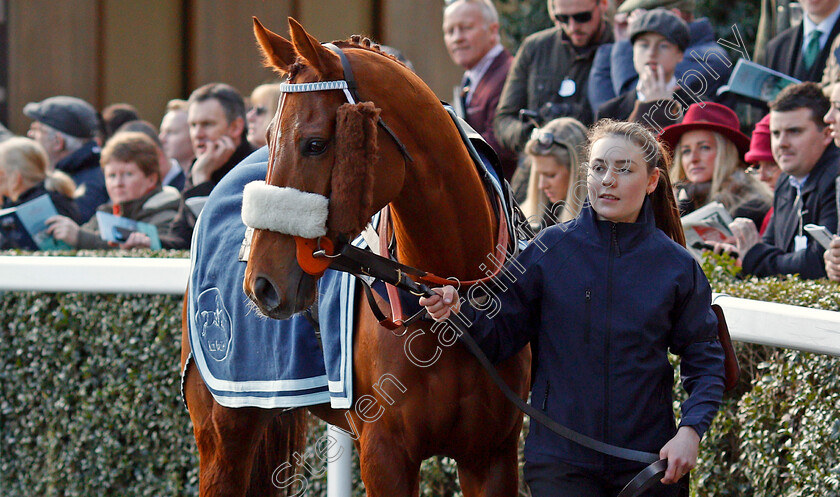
(806, 95)
(665, 210)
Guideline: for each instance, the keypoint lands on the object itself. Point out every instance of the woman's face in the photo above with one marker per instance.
(698, 151)
(553, 177)
(258, 117)
(125, 181)
(618, 179)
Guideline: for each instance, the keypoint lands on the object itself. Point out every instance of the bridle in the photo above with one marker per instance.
(315, 255)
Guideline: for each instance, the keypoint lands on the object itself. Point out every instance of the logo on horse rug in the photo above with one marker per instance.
(214, 322)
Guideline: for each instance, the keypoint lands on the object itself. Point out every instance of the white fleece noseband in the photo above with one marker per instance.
(284, 210)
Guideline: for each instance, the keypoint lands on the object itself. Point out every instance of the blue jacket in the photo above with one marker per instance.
(613, 72)
(605, 302)
(83, 166)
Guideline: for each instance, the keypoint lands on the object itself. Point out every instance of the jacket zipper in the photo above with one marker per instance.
(545, 398)
(587, 315)
(607, 336)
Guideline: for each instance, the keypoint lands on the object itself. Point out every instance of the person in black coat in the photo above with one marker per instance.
(218, 132)
(805, 191)
(789, 52)
(25, 176)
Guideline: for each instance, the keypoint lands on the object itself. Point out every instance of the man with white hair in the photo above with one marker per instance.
(471, 34)
(65, 127)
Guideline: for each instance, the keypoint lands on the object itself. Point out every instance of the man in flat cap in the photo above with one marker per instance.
(65, 127)
(659, 40)
(704, 68)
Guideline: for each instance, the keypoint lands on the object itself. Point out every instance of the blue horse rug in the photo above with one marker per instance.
(246, 359)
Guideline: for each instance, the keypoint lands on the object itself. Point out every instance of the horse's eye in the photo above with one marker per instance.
(314, 146)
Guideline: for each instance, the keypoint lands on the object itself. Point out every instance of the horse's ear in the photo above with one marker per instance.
(278, 52)
(321, 59)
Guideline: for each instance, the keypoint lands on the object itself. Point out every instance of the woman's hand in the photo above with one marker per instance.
(136, 239)
(681, 453)
(64, 229)
(442, 303)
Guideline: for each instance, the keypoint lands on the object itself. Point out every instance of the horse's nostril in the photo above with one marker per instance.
(265, 293)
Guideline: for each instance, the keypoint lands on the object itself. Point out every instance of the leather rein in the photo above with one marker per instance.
(315, 256)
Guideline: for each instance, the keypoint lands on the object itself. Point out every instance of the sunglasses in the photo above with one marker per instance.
(579, 18)
(259, 109)
(545, 139)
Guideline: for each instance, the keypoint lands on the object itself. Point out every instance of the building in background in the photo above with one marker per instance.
(147, 52)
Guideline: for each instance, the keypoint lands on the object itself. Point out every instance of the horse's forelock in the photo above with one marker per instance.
(356, 151)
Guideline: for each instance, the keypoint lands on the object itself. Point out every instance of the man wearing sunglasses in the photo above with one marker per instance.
(550, 71)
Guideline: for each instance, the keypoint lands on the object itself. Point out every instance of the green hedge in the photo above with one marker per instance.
(90, 403)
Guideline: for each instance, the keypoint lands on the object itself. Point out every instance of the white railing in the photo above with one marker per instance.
(752, 321)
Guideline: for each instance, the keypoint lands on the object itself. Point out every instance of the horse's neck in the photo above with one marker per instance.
(444, 221)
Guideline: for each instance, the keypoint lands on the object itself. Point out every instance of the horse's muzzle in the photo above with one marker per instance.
(269, 299)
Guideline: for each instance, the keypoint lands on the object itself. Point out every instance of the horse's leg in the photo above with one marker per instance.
(387, 470)
(228, 439)
(495, 475)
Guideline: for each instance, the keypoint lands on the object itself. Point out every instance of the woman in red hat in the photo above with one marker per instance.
(761, 161)
(708, 163)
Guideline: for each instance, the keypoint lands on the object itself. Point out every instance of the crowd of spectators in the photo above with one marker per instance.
(655, 62)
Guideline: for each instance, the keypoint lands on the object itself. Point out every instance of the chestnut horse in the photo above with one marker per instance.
(443, 223)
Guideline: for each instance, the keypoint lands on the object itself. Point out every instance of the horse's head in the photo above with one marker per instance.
(330, 168)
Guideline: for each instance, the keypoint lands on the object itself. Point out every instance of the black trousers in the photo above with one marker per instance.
(565, 480)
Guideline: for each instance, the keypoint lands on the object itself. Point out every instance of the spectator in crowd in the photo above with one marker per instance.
(264, 101)
(556, 188)
(624, 252)
(659, 39)
(66, 127)
(130, 163)
(831, 73)
(218, 134)
(762, 164)
(805, 191)
(614, 74)
(832, 118)
(471, 34)
(708, 163)
(801, 51)
(115, 115)
(549, 74)
(175, 134)
(25, 175)
(170, 171)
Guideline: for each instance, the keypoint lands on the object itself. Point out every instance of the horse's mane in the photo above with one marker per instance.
(355, 41)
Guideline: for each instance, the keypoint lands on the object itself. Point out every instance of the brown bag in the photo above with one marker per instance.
(730, 361)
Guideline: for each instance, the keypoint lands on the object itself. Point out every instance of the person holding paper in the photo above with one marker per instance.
(25, 175)
(805, 192)
(709, 164)
(132, 178)
(832, 119)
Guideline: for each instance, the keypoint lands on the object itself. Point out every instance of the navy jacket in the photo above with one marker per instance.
(776, 254)
(605, 302)
(83, 166)
(613, 72)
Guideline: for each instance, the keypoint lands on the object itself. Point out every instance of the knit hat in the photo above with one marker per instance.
(760, 143)
(631, 5)
(662, 22)
(69, 115)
